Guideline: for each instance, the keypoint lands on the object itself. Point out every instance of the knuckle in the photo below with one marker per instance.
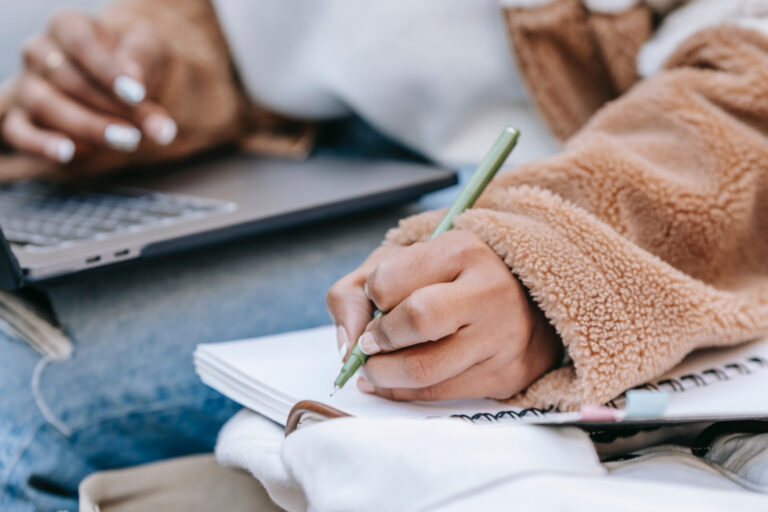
(427, 394)
(64, 19)
(33, 93)
(419, 369)
(336, 296)
(78, 44)
(469, 246)
(30, 50)
(377, 289)
(384, 338)
(152, 39)
(333, 296)
(417, 313)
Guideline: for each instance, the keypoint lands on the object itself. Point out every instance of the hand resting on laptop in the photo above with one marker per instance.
(102, 93)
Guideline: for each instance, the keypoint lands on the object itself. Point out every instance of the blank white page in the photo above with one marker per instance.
(740, 390)
(273, 373)
(302, 365)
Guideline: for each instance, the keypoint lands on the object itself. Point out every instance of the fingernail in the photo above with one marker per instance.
(129, 90)
(367, 292)
(122, 138)
(368, 344)
(60, 149)
(161, 128)
(365, 386)
(343, 341)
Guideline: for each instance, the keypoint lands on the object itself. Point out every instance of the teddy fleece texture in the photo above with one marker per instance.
(642, 241)
(573, 60)
(646, 237)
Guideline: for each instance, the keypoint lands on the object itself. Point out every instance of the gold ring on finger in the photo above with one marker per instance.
(54, 60)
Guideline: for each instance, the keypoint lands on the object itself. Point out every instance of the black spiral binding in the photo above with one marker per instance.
(675, 385)
(505, 415)
(696, 379)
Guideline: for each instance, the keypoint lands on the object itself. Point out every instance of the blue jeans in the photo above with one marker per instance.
(129, 394)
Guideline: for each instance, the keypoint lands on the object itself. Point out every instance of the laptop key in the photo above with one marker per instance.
(46, 215)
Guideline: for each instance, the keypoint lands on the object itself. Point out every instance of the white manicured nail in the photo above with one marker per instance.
(129, 90)
(161, 128)
(122, 138)
(60, 149)
(343, 341)
(368, 344)
(366, 291)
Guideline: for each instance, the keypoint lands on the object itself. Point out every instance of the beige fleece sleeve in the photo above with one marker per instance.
(646, 238)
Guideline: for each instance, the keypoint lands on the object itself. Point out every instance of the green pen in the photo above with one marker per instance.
(467, 197)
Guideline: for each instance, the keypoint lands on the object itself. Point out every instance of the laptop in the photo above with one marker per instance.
(50, 230)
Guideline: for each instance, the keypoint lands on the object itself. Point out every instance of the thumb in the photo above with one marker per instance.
(351, 311)
(349, 304)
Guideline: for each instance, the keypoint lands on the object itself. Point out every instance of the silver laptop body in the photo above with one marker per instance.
(53, 230)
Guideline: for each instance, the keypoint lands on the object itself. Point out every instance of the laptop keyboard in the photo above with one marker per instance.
(44, 215)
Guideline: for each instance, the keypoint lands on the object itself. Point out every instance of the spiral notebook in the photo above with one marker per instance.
(270, 375)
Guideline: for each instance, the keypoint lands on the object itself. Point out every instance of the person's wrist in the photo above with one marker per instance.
(545, 349)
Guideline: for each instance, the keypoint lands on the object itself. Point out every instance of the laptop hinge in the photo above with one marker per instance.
(11, 276)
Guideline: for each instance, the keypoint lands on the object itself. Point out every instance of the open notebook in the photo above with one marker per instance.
(272, 374)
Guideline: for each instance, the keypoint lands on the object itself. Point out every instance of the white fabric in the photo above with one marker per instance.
(409, 465)
(604, 6)
(609, 6)
(694, 17)
(525, 4)
(664, 6)
(436, 75)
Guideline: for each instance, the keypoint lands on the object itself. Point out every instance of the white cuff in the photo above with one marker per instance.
(604, 6)
(524, 4)
(694, 17)
(609, 6)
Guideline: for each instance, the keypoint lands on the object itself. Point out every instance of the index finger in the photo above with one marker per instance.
(348, 304)
(78, 36)
(428, 314)
(351, 311)
(439, 260)
(142, 49)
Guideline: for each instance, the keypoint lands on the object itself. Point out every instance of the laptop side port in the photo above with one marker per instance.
(93, 259)
(124, 252)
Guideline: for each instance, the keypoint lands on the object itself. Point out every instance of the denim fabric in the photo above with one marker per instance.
(129, 394)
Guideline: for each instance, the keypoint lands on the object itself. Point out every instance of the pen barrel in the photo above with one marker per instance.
(480, 178)
(355, 360)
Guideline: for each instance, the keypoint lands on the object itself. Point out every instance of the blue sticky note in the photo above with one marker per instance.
(645, 404)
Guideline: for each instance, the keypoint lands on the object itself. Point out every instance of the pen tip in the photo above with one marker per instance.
(335, 389)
